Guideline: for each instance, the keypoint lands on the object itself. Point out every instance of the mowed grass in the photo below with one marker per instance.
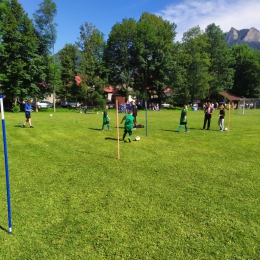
(169, 196)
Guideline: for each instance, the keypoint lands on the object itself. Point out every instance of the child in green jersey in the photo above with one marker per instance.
(129, 122)
(105, 119)
(183, 119)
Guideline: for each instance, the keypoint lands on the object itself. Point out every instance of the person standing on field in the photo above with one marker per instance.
(207, 118)
(183, 119)
(129, 122)
(28, 110)
(221, 118)
(105, 119)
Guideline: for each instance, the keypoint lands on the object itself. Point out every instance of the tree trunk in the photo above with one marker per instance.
(36, 105)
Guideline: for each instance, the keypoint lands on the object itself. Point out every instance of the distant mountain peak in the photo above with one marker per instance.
(253, 35)
(232, 35)
(250, 37)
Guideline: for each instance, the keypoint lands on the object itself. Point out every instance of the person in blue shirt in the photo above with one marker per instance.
(28, 110)
(128, 106)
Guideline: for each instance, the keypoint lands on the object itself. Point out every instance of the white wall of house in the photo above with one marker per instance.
(109, 96)
(50, 98)
(130, 98)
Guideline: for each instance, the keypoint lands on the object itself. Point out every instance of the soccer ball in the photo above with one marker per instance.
(226, 129)
(137, 138)
(50, 114)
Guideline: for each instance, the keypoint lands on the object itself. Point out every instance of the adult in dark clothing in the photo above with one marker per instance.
(134, 109)
(207, 118)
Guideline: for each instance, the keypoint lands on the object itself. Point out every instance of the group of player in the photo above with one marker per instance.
(129, 119)
(207, 117)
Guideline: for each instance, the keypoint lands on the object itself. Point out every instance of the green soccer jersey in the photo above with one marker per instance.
(105, 117)
(129, 122)
(183, 118)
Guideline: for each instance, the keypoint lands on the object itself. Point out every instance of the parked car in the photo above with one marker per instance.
(70, 104)
(165, 105)
(42, 104)
(50, 104)
(111, 105)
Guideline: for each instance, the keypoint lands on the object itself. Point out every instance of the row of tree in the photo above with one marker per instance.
(141, 57)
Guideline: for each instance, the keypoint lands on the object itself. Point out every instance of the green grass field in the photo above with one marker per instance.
(169, 196)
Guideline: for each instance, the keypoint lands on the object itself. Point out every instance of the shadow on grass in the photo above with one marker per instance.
(210, 130)
(4, 229)
(99, 129)
(168, 130)
(190, 128)
(110, 138)
(96, 129)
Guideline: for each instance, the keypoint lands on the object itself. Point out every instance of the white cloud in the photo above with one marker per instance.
(240, 14)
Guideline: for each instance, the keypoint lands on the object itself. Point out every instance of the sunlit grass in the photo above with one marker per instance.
(169, 196)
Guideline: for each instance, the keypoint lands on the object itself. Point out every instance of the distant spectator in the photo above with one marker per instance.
(128, 106)
(156, 108)
(120, 108)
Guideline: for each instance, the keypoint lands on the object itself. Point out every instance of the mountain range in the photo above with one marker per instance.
(251, 37)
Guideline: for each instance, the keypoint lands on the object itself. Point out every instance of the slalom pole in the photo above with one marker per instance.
(6, 167)
(117, 128)
(146, 120)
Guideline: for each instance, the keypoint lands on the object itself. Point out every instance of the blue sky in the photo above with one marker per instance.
(240, 14)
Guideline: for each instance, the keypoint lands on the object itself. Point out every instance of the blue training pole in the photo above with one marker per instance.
(6, 167)
(146, 120)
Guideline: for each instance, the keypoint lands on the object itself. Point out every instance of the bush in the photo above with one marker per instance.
(16, 108)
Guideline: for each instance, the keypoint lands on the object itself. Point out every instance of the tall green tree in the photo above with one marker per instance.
(247, 71)
(19, 60)
(69, 61)
(257, 85)
(91, 47)
(54, 76)
(118, 54)
(46, 28)
(44, 23)
(179, 90)
(221, 61)
(197, 63)
(152, 55)
(3, 12)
